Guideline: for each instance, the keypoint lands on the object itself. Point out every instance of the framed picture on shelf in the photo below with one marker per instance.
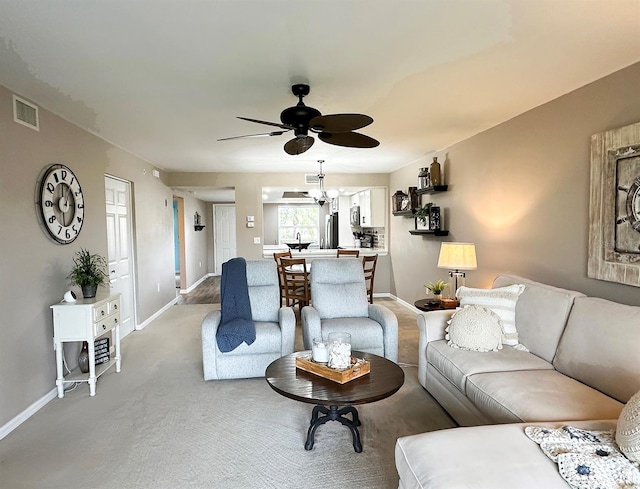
(422, 224)
(405, 204)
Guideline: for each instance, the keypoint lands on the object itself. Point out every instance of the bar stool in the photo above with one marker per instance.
(277, 257)
(369, 265)
(296, 282)
(348, 253)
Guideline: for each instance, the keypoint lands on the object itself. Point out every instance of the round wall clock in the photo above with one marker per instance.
(61, 204)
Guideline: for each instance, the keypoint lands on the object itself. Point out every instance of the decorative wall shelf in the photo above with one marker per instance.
(432, 190)
(439, 232)
(407, 213)
(412, 212)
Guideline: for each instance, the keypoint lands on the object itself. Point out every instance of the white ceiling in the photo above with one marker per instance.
(165, 79)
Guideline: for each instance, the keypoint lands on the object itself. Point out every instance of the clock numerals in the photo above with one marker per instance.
(61, 204)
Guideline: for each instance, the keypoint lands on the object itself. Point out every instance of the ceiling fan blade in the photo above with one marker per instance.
(298, 145)
(281, 126)
(349, 139)
(339, 122)
(273, 133)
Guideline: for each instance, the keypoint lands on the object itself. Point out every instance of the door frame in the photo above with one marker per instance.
(181, 237)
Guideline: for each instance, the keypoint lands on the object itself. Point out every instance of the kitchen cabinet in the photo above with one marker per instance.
(373, 207)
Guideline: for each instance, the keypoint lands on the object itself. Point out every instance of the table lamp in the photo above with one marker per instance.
(457, 257)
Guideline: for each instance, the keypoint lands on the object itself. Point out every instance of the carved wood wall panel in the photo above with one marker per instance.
(614, 209)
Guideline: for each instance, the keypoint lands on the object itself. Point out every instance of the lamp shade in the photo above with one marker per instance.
(458, 256)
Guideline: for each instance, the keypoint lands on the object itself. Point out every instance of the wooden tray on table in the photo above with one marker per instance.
(359, 367)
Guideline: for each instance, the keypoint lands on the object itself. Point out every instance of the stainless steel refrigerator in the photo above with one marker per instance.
(331, 231)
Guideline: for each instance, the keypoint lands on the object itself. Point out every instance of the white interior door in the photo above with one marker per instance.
(120, 246)
(225, 235)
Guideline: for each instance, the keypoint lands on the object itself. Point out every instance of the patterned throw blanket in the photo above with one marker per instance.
(587, 459)
(236, 325)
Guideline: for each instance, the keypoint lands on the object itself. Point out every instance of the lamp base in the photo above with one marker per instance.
(458, 279)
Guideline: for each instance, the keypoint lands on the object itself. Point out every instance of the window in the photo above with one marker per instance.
(294, 219)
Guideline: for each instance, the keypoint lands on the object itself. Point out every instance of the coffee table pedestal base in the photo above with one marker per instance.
(334, 414)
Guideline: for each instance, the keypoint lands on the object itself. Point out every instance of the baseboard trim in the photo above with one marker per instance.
(27, 413)
(150, 319)
(191, 289)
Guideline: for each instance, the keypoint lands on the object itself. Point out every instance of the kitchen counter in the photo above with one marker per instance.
(269, 250)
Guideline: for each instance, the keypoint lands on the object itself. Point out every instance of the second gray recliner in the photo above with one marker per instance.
(339, 303)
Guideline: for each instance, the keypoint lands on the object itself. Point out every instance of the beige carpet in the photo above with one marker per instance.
(157, 424)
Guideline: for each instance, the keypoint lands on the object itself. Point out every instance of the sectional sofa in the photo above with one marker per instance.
(577, 363)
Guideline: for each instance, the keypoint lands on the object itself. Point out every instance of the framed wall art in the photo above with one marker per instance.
(614, 208)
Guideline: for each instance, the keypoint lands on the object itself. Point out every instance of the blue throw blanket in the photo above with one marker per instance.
(236, 325)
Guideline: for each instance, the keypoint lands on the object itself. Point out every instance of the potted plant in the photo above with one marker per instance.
(422, 214)
(436, 288)
(88, 272)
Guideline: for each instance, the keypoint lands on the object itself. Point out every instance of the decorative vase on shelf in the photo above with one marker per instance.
(434, 218)
(434, 171)
(423, 178)
(83, 358)
(413, 197)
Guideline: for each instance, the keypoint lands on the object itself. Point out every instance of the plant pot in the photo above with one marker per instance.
(89, 291)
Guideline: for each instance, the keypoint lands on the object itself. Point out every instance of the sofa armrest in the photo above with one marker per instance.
(389, 323)
(311, 327)
(287, 320)
(432, 324)
(209, 329)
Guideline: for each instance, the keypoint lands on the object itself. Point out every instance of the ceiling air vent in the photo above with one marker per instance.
(25, 113)
(311, 179)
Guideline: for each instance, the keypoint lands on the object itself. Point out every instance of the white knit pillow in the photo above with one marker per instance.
(474, 328)
(628, 429)
(502, 301)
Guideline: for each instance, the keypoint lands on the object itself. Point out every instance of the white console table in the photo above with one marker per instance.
(86, 320)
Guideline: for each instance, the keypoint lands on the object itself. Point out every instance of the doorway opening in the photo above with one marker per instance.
(178, 241)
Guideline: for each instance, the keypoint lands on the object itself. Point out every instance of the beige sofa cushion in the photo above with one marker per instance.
(600, 347)
(456, 364)
(538, 395)
(482, 457)
(541, 314)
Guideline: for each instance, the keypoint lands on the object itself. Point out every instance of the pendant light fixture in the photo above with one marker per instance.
(320, 196)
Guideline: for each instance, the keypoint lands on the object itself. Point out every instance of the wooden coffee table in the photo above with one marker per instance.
(384, 380)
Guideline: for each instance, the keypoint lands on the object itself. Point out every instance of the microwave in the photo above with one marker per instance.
(355, 215)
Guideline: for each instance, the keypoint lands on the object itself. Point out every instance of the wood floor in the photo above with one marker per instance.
(208, 292)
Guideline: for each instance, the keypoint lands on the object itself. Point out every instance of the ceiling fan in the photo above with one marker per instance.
(334, 129)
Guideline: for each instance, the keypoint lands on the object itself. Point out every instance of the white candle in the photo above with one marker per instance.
(320, 351)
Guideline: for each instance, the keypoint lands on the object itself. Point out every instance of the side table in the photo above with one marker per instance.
(427, 305)
(86, 320)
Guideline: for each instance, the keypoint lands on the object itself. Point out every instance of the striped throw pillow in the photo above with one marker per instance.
(502, 301)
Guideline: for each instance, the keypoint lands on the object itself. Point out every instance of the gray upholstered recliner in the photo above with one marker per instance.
(339, 303)
(275, 329)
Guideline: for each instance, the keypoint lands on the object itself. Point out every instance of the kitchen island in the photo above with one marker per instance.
(382, 283)
(310, 253)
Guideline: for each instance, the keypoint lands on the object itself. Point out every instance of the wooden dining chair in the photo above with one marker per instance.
(296, 282)
(277, 257)
(348, 253)
(369, 265)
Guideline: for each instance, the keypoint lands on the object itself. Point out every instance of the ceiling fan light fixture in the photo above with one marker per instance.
(320, 195)
(334, 129)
